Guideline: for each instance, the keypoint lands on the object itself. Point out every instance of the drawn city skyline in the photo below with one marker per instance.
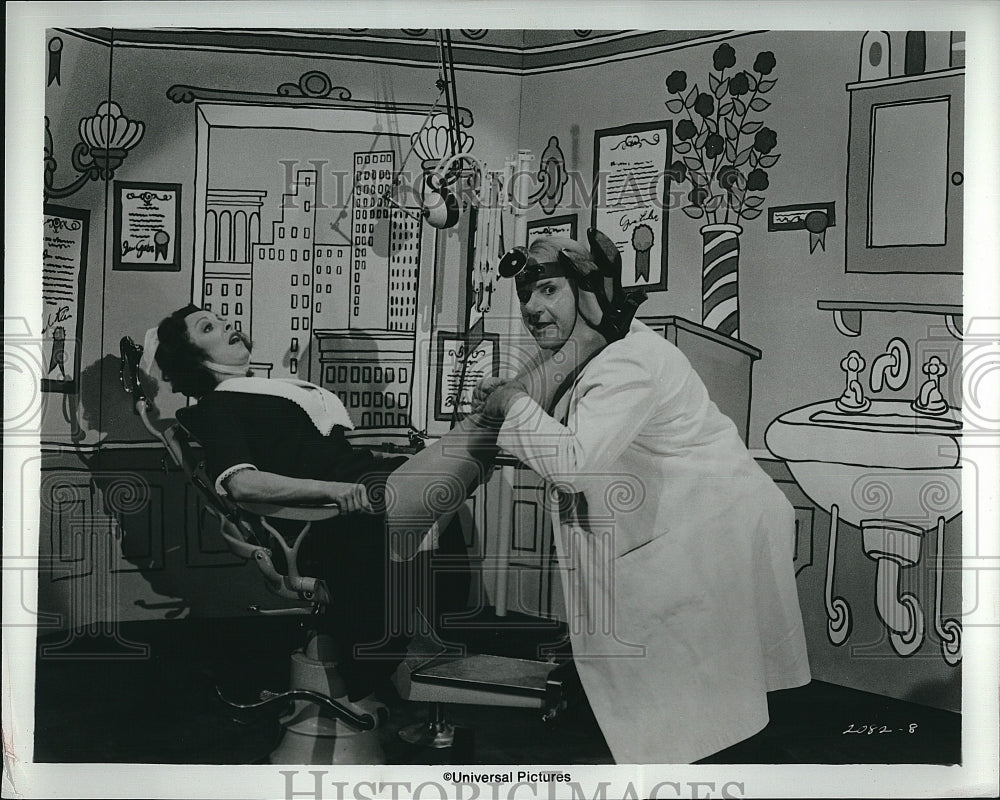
(317, 310)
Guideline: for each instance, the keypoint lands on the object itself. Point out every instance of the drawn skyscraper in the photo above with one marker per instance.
(370, 237)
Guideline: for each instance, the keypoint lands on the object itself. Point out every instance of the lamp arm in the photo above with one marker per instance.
(88, 169)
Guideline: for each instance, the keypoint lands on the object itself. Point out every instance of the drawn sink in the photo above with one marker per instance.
(887, 463)
(893, 472)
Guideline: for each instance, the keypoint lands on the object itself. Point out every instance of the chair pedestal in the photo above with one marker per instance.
(311, 737)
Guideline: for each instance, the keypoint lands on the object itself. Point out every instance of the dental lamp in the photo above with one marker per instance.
(456, 181)
(439, 204)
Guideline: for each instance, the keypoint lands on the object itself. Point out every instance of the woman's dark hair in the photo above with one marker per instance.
(179, 359)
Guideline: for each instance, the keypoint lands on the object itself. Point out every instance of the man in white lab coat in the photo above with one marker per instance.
(675, 548)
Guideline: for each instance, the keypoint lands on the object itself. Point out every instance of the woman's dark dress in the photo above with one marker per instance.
(349, 552)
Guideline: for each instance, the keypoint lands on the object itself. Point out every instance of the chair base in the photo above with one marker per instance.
(311, 736)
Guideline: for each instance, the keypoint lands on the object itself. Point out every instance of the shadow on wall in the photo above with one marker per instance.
(104, 408)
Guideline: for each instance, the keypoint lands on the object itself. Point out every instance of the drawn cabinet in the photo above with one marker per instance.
(724, 364)
(520, 574)
(905, 174)
(534, 586)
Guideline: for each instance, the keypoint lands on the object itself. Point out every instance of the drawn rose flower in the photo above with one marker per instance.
(686, 130)
(739, 84)
(757, 180)
(677, 81)
(765, 140)
(729, 178)
(705, 105)
(764, 63)
(698, 195)
(677, 171)
(714, 145)
(723, 57)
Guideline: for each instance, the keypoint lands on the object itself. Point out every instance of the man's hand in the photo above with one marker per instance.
(351, 497)
(500, 399)
(483, 390)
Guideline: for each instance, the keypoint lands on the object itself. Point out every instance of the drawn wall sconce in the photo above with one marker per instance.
(105, 140)
(552, 177)
(812, 217)
(433, 141)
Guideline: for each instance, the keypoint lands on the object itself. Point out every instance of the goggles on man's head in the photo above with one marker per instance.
(593, 272)
(518, 264)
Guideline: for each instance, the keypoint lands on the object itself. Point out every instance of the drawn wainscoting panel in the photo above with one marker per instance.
(69, 504)
(138, 507)
(204, 545)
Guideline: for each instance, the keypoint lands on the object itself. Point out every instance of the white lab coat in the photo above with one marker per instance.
(675, 551)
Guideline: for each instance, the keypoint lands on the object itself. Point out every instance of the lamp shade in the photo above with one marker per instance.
(433, 142)
(110, 129)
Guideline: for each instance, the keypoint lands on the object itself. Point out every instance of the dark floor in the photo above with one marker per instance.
(95, 706)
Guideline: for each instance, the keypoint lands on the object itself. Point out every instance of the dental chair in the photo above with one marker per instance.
(317, 729)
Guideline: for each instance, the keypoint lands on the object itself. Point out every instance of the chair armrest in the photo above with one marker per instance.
(300, 513)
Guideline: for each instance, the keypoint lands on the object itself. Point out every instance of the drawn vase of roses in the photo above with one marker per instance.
(725, 157)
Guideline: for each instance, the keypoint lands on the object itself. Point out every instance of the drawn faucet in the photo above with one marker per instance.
(853, 399)
(929, 399)
(892, 368)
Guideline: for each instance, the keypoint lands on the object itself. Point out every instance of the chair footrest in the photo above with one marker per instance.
(486, 673)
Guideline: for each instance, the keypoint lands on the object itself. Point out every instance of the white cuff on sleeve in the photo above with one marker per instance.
(220, 482)
(523, 416)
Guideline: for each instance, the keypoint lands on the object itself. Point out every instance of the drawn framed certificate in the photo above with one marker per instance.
(630, 202)
(564, 226)
(462, 362)
(64, 272)
(147, 226)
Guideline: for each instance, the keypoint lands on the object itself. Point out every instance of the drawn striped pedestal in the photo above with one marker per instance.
(720, 278)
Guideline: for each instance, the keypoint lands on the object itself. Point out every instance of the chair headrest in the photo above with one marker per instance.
(142, 380)
(131, 354)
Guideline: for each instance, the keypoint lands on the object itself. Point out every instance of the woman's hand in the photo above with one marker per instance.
(351, 497)
(483, 390)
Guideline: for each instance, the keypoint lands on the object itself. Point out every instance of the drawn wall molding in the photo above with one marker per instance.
(313, 89)
(508, 51)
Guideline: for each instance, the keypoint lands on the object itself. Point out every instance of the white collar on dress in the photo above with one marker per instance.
(323, 407)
